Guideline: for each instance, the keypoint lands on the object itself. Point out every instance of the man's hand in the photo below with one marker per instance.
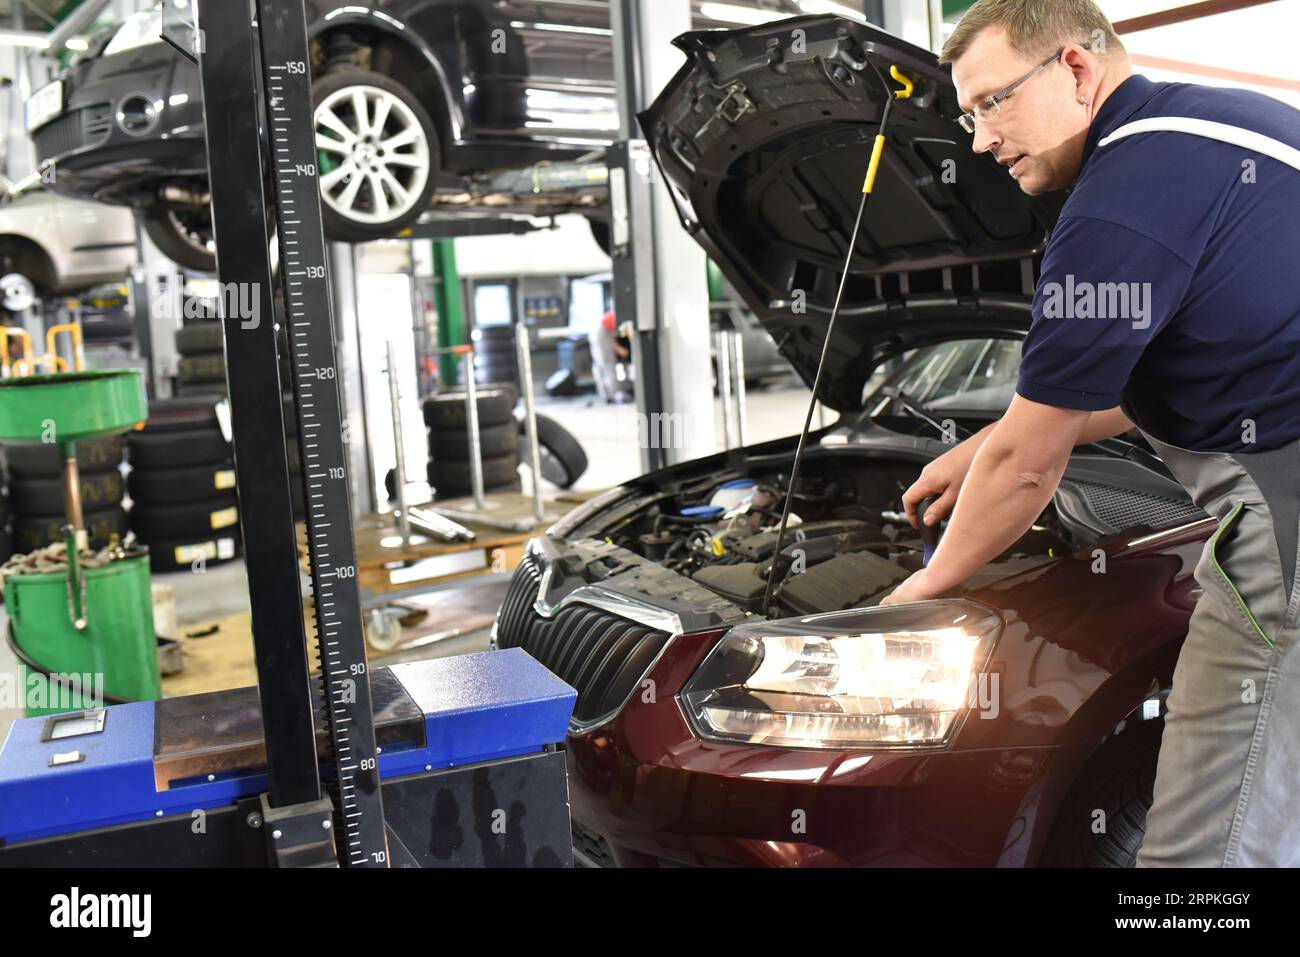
(1008, 484)
(943, 477)
(918, 587)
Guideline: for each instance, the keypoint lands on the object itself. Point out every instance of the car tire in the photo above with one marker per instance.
(174, 556)
(494, 442)
(200, 339)
(446, 412)
(42, 460)
(357, 221)
(170, 450)
(1119, 780)
(218, 515)
(563, 458)
(173, 486)
(451, 477)
(202, 370)
(36, 531)
(600, 232)
(182, 414)
(44, 496)
(182, 234)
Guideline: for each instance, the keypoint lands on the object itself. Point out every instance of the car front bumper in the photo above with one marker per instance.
(646, 790)
(94, 154)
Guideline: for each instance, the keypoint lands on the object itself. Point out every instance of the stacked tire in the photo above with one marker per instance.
(449, 455)
(203, 373)
(182, 485)
(495, 359)
(36, 507)
(202, 369)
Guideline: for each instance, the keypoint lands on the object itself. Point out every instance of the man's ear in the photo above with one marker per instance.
(1086, 69)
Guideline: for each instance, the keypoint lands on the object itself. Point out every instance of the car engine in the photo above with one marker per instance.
(847, 545)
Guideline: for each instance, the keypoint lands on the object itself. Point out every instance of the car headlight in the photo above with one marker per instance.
(139, 29)
(897, 676)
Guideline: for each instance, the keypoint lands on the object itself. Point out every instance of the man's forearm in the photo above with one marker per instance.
(1100, 425)
(1002, 496)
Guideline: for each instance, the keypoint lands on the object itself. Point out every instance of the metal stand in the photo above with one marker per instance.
(444, 521)
(399, 479)
(730, 351)
(530, 418)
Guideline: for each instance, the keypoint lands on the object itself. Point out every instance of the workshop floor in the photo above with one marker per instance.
(609, 435)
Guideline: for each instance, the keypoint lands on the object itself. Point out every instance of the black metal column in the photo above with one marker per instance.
(236, 149)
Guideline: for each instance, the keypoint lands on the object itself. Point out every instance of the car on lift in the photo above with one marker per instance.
(63, 245)
(411, 97)
(988, 727)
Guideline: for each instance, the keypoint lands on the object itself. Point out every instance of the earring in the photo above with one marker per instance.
(1083, 100)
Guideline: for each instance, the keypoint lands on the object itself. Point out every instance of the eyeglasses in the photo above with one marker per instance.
(991, 106)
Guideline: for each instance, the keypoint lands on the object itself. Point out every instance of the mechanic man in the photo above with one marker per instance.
(1169, 297)
(608, 351)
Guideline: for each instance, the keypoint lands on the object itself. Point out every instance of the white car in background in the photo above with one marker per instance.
(65, 245)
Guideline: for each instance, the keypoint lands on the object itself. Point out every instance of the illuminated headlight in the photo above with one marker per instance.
(898, 676)
(139, 29)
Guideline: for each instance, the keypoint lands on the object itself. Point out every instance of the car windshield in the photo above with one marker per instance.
(967, 375)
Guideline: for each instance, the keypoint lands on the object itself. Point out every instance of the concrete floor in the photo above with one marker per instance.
(610, 437)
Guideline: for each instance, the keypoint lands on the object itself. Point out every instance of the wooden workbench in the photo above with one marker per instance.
(385, 565)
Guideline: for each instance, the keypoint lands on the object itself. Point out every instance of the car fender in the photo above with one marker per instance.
(34, 221)
(378, 20)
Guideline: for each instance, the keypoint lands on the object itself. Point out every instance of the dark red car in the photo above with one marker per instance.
(1016, 723)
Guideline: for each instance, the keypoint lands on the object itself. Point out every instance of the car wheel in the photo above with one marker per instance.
(22, 257)
(1118, 781)
(563, 460)
(377, 155)
(601, 233)
(183, 234)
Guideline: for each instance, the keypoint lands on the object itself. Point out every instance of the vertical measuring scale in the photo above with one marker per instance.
(286, 77)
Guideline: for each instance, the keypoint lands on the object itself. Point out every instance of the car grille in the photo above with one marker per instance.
(1121, 508)
(593, 848)
(73, 131)
(602, 655)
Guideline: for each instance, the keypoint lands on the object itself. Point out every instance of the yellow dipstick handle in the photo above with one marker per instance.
(874, 166)
(878, 150)
(901, 77)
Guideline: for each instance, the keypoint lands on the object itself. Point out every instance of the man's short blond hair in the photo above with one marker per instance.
(1036, 28)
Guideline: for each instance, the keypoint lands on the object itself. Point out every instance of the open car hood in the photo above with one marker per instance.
(763, 138)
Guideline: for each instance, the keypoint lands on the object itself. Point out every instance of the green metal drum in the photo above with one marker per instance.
(70, 406)
(116, 654)
(89, 628)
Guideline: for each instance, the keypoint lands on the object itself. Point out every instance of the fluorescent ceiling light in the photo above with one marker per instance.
(731, 13)
(562, 28)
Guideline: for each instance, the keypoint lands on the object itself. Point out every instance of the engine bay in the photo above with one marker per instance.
(848, 543)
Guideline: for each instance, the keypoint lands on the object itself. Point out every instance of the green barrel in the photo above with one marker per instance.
(116, 654)
(71, 405)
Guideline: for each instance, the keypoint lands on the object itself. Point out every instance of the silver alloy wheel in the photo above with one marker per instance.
(194, 227)
(382, 153)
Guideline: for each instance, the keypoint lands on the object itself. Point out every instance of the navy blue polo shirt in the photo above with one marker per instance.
(1171, 283)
